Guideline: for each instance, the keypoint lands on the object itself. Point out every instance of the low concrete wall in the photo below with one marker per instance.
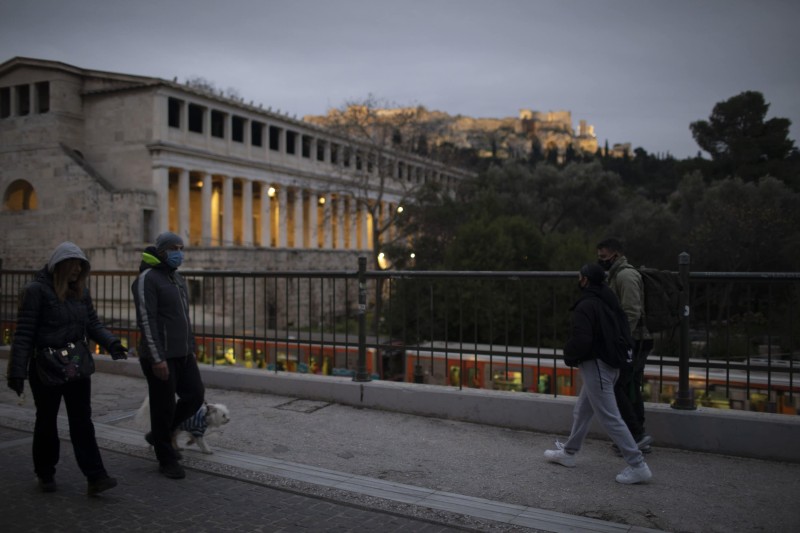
(741, 433)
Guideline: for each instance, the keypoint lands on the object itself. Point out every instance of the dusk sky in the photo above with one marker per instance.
(640, 71)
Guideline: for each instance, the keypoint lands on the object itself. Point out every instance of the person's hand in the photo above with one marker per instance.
(118, 351)
(17, 385)
(161, 370)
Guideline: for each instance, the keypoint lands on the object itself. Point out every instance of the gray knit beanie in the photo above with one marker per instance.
(167, 240)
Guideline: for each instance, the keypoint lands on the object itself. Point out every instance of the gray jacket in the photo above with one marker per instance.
(626, 282)
(162, 311)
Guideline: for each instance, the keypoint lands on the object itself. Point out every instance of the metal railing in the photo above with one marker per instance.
(738, 347)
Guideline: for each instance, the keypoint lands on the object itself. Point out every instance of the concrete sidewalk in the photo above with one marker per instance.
(434, 473)
(145, 501)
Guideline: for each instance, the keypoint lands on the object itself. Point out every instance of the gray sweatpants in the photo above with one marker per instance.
(597, 398)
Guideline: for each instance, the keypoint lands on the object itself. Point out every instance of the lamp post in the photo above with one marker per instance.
(361, 367)
(684, 399)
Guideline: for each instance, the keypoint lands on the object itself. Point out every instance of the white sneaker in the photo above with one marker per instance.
(560, 456)
(632, 474)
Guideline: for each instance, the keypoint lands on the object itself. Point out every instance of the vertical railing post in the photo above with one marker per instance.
(684, 399)
(361, 367)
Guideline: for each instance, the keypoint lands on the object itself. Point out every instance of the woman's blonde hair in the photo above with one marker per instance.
(63, 287)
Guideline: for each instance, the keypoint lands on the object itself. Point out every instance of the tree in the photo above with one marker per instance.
(536, 152)
(552, 155)
(740, 226)
(496, 243)
(581, 195)
(651, 231)
(570, 155)
(740, 140)
(379, 138)
(549, 202)
(433, 219)
(203, 84)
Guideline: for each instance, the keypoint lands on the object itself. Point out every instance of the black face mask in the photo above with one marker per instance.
(606, 263)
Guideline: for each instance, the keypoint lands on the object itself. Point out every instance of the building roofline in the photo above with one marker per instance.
(20, 61)
(132, 82)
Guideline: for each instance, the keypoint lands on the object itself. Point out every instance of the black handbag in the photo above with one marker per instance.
(57, 366)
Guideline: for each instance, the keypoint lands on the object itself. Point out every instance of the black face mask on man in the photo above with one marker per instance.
(606, 263)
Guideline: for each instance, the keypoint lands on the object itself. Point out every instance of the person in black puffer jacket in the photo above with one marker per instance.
(56, 309)
(584, 351)
(166, 348)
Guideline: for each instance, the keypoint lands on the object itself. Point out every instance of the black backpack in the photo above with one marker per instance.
(662, 290)
(617, 346)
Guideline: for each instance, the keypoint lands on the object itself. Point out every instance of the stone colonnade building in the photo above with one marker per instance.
(109, 160)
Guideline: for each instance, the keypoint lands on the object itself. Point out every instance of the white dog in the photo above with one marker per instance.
(210, 416)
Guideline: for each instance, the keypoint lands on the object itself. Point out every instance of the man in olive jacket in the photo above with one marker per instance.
(166, 348)
(627, 284)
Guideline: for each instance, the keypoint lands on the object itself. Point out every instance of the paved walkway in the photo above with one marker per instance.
(144, 501)
(288, 464)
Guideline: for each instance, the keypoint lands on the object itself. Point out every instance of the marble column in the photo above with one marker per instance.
(352, 228)
(183, 205)
(283, 212)
(161, 186)
(297, 210)
(266, 216)
(313, 222)
(327, 222)
(339, 215)
(247, 212)
(368, 228)
(227, 211)
(208, 186)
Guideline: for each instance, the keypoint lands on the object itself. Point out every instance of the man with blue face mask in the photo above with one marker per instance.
(166, 347)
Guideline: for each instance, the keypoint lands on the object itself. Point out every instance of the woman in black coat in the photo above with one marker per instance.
(56, 310)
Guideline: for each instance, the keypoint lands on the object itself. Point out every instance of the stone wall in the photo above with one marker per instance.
(72, 205)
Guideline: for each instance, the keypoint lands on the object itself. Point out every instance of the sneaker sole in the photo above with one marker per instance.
(633, 482)
(634, 475)
(558, 461)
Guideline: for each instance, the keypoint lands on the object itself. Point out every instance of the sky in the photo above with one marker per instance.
(640, 71)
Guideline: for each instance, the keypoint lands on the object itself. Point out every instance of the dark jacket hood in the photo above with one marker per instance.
(603, 292)
(67, 250)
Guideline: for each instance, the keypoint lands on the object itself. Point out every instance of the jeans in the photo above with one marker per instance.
(165, 413)
(46, 444)
(628, 390)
